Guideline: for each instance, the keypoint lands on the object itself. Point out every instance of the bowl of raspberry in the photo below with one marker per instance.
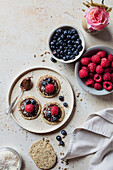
(94, 71)
(66, 44)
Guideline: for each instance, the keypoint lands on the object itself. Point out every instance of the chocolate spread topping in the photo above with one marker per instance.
(26, 84)
(47, 109)
(42, 88)
(23, 105)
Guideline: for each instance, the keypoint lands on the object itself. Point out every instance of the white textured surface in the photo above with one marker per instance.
(24, 30)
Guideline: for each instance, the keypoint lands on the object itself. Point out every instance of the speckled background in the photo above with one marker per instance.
(24, 30)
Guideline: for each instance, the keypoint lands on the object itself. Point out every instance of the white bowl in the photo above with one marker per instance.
(89, 52)
(81, 37)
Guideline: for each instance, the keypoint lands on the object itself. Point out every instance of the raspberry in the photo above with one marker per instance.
(107, 85)
(99, 69)
(95, 59)
(101, 54)
(107, 70)
(54, 110)
(112, 64)
(112, 77)
(105, 62)
(91, 75)
(83, 73)
(49, 88)
(92, 67)
(85, 61)
(110, 57)
(85, 68)
(98, 78)
(90, 82)
(98, 86)
(29, 108)
(106, 76)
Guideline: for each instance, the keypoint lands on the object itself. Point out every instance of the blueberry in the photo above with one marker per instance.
(60, 42)
(61, 47)
(54, 37)
(63, 132)
(53, 60)
(59, 39)
(54, 52)
(48, 114)
(65, 32)
(72, 57)
(61, 52)
(33, 101)
(57, 44)
(58, 31)
(69, 53)
(44, 83)
(73, 49)
(65, 40)
(49, 80)
(65, 51)
(58, 138)
(76, 52)
(62, 36)
(61, 143)
(73, 37)
(75, 46)
(61, 98)
(70, 46)
(65, 58)
(65, 104)
(69, 42)
(52, 47)
(76, 36)
(79, 40)
(69, 32)
(79, 47)
(57, 56)
(54, 119)
(68, 36)
(64, 44)
(28, 101)
(61, 56)
(52, 43)
(74, 31)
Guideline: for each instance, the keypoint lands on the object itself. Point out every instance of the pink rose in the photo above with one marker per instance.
(97, 18)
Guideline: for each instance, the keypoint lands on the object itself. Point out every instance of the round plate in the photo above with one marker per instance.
(38, 125)
(89, 52)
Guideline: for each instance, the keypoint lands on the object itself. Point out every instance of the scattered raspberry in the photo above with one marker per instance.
(107, 70)
(91, 75)
(106, 76)
(112, 64)
(98, 78)
(95, 59)
(107, 85)
(99, 69)
(29, 108)
(83, 73)
(105, 62)
(85, 68)
(92, 67)
(54, 110)
(110, 57)
(112, 77)
(49, 88)
(98, 86)
(90, 82)
(101, 54)
(85, 61)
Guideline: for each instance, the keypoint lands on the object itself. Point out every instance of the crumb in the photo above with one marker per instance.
(80, 99)
(34, 55)
(43, 139)
(78, 94)
(59, 144)
(47, 140)
(41, 55)
(67, 163)
(45, 53)
(59, 167)
(43, 60)
(48, 52)
(65, 168)
(63, 136)
(60, 153)
(62, 162)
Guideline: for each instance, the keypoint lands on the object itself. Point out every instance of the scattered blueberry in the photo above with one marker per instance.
(48, 114)
(28, 101)
(79, 47)
(61, 98)
(44, 83)
(53, 60)
(33, 101)
(59, 138)
(65, 104)
(61, 143)
(55, 119)
(49, 80)
(63, 132)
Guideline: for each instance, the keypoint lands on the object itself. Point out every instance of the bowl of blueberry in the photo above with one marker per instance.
(66, 44)
(94, 71)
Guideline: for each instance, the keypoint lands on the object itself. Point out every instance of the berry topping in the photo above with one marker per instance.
(48, 114)
(105, 62)
(49, 88)
(98, 78)
(85, 61)
(107, 85)
(110, 57)
(33, 101)
(65, 104)
(101, 54)
(44, 83)
(99, 69)
(83, 73)
(28, 101)
(85, 68)
(58, 138)
(61, 143)
(106, 76)
(90, 82)
(54, 119)
(92, 67)
(29, 108)
(49, 80)
(54, 110)
(95, 59)
(98, 86)
(63, 132)
(61, 98)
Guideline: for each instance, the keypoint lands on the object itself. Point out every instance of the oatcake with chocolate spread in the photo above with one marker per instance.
(29, 107)
(48, 86)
